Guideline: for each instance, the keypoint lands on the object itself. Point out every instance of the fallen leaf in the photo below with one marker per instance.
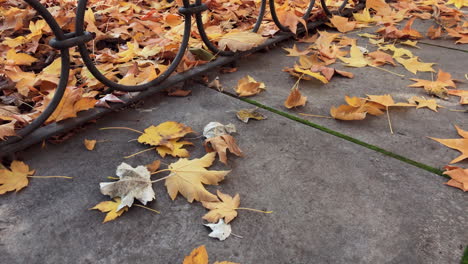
(188, 177)
(245, 114)
(458, 3)
(177, 149)
(180, 93)
(414, 65)
(342, 23)
(380, 58)
(223, 209)
(90, 143)
(220, 230)
(216, 84)
(197, 256)
(309, 73)
(110, 207)
(240, 41)
(215, 129)
(7, 130)
(434, 33)
(347, 112)
(15, 178)
(153, 166)
(422, 102)
(459, 177)
(386, 100)
(221, 144)
(462, 93)
(295, 99)
(19, 58)
(460, 144)
(411, 33)
(163, 133)
(294, 52)
(247, 86)
(356, 58)
(134, 183)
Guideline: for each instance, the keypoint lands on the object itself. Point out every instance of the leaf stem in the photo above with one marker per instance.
(123, 128)
(389, 122)
(385, 70)
(43, 177)
(139, 152)
(304, 114)
(160, 171)
(113, 178)
(254, 210)
(163, 178)
(147, 208)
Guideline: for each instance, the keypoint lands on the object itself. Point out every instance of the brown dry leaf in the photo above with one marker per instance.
(294, 52)
(290, 20)
(342, 23)
(380, 6)
(306, 74)
(411, 33)
(15, 178)
(380, 58)
(422, 102)
(434, 33)
(459, 177)
(7, 130)
(162, 133)
(188, 176)
(90, 144)
(460, 144)
(177, 149)
(225, 208)
(240, 41)
(414, 65)
(247, 86)
(437, 87)
(221, 144)
(462, 93)
(462, 37)
(295, 99)
(110, 207)
(153, 166)
(180, 93)
(245, 114)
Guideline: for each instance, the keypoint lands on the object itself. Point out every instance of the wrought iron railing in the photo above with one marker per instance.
(79, 38)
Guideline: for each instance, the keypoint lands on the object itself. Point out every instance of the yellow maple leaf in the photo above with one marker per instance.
(226, 208)
(176, 151)
(458, 3)
(294, 52)
(162, 133)
(356, 58)
(110, 207)
(364, 17)
(460, 144)
(240, 41)
(15, 178)
(197, 256)
(309, 73)
(188, 176)
(19, 58)
(422, 102)
(414, 65)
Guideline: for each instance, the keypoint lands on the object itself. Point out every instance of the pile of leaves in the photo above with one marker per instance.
(134, 42)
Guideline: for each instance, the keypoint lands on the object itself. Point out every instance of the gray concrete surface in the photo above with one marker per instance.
(333, 201)
(411, 126)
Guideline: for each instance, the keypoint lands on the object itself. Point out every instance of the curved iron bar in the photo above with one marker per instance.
(64, 41)
(60, 91)
(328, 12)
(275, 18)
(207, 41)
(79, 27)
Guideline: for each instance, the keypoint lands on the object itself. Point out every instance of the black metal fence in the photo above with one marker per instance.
(34, 133)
